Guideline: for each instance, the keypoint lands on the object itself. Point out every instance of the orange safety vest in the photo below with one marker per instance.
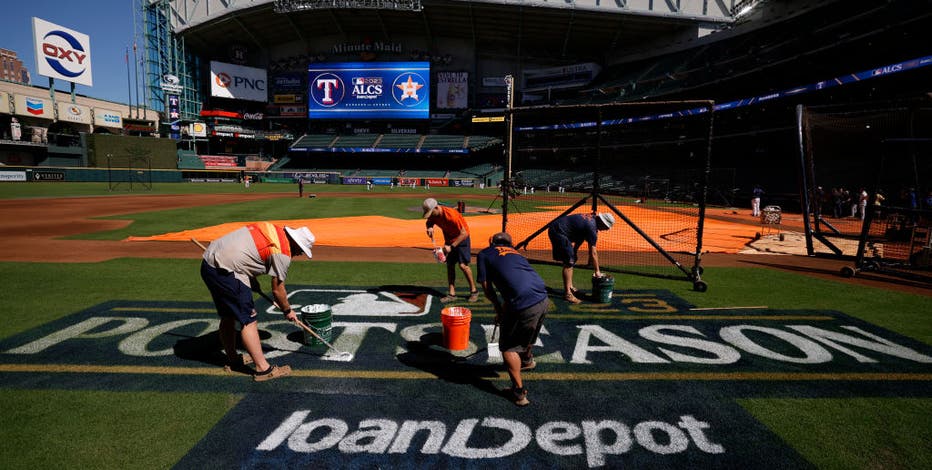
(269, 239)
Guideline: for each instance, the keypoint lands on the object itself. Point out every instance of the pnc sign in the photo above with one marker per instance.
(238, 82)
(62, 53)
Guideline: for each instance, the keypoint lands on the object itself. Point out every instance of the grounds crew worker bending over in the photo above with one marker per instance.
(521, 310)
(231, 264)
(456, 245)
(567, 234)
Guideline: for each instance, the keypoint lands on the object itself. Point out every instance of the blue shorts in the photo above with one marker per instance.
(562, 248)
(461, 254)
(519, 330)
(231, 297)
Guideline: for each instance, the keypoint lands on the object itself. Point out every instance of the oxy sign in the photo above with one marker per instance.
(238, 82)
(62, 53)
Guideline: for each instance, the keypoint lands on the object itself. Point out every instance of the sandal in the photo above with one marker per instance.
(447, 299)
(572, 299)
(273, 372)
(239, 364)
(474, 296)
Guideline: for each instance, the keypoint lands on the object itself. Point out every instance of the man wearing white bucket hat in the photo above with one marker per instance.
(230, 266)
(567, 234)
(520, 311)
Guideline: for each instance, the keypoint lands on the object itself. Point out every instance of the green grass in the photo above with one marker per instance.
(888, 433)
(104, 430)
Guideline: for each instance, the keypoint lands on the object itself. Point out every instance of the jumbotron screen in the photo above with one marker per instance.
(369, 90)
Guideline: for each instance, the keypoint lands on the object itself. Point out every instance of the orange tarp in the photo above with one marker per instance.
(379, 231)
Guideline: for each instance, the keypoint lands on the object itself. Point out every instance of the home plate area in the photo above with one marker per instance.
(643, 381)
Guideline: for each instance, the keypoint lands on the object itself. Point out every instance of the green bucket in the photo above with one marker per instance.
(320, 319)
(602, 288)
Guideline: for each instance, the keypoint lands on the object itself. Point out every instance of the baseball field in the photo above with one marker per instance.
(109, 356)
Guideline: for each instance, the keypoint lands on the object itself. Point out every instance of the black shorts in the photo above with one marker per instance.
(519, 330)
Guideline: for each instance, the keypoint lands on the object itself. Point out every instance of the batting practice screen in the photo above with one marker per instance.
(647, 163)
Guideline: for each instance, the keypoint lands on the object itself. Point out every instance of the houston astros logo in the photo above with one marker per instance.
(223, 80)
(327, 89)
(64, 53)
(405, 89)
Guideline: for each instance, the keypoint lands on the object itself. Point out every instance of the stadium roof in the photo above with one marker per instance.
(512, 28)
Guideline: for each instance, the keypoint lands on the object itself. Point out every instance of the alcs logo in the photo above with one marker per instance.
(64, 53)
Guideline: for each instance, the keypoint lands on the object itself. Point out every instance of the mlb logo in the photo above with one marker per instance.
(359, 81)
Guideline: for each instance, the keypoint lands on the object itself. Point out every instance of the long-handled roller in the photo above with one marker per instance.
(340, 355)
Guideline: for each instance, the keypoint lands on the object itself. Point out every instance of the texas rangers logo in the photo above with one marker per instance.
(405, 89)
(327, 89)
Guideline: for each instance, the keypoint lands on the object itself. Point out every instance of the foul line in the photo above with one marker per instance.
(594, 316)
(419, 375)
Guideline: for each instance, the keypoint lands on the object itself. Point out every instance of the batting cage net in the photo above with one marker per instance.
(129, 172)
(867, 183)
(647, 163)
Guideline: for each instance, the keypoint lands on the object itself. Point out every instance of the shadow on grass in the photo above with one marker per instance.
(428, 355)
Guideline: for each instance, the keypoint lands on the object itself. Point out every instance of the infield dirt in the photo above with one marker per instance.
(32, 231)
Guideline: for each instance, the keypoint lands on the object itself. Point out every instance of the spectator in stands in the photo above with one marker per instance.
(567, 233)
(756, 194)
(520, 311)
(456, 245)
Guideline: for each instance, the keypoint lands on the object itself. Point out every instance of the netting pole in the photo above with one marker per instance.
(703, 196)
(804, 183)
(506, 185)
(598, 161)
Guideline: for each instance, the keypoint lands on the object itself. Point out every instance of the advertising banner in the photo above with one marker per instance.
(287, 99)
(238, 82)
(197, 129)
(289, 82)
(452, 90)
(173, 109)
(409, 181)
(369, 90)
(560, 77)
(33, 107)
(62, 53)
(12, 176)
(354, 180)
(4, 102)
(436, 181)
(108, 118)
(74, 113)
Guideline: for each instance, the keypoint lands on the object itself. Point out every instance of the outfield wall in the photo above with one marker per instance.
(139, 172)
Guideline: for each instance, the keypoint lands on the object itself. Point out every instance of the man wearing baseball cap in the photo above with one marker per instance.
(229, 269)
(567, 234)
(456, 245)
